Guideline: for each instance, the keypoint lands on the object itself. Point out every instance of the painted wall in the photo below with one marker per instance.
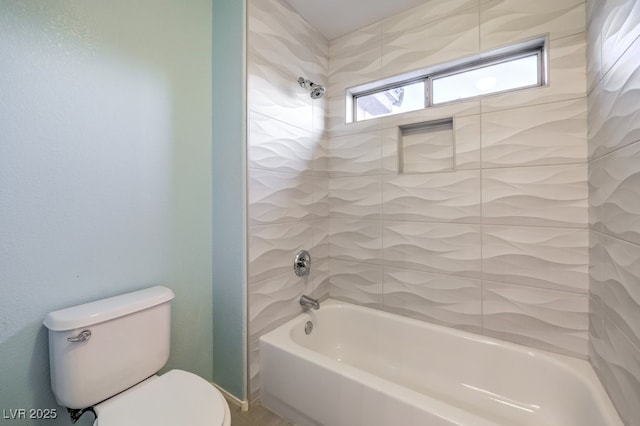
(105, 171)
(614, 179)
(229, 195)
(287, 183)
(498, 244)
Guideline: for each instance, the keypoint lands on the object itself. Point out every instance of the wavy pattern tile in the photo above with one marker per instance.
(551, 320)
(452, 37)
(356, 282)
(552, 258)
(536, 196)
(444, 248)
(275, 94)
(431, 10)
(620, 27)
(279, 147)
(594, 43)
(279, 197)
(436, 197)
(622, 373)
(620, 107)
(509, 21)
(356, 197)
(355, 58)
(359, 154)
(552, 133)
(597, 270)
(621, 288)
(273, 247)
(355, 240)
(277, 34)
(594, 182)
(621, 193)
(441, 299)
(567, 78)
(594, 123)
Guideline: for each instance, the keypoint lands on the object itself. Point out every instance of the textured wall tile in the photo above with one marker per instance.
(597, 335)
(620, 106)
(621, 193)
(620, 27)
(431, 10)
(356, 282)
(356, 240)
(279, 197)
(355, 58)
(356, 197)
(595, 194)
(536, 196)
(543, 134)
(595, 147)
(274, 301)
(451, 110)
(320, 198)
(622, 375)
(551, 320)
(278, 95)
(435, 197)
(277, 34)
(441, 299)
(278, 147)
(390, 147)
(553, 258)
(356, 155)
(466, 132)
(273, 247)
(597, 267)
(453, 37)
(510, 21)
(594, 43)
(566, 78)
(622, 286)
(452, 249)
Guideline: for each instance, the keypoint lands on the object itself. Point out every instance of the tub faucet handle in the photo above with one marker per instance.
(302, 263)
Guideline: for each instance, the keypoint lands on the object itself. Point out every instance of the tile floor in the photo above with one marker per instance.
(256, 416)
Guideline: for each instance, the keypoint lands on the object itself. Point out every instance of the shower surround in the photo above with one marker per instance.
(497, 245)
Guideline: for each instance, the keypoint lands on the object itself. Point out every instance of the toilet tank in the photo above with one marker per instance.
(129, 341)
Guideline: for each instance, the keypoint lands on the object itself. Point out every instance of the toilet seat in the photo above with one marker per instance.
(172, 399)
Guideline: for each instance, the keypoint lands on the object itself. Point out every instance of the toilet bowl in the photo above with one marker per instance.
(174, 398)
(105, 355)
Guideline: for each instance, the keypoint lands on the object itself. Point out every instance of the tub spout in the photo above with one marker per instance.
(309, 302)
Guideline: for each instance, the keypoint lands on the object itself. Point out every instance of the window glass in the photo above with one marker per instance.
(499, 77)
(409, 97)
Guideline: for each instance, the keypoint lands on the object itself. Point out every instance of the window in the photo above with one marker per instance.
(516, 67)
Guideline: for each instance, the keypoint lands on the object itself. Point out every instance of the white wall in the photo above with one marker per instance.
(105, 174)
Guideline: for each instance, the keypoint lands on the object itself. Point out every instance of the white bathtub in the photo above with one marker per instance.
(360, 366)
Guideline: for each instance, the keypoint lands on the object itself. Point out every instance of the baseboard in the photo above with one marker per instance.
(237, 403)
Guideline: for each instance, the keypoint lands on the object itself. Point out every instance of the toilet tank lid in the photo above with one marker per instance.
(106, 309)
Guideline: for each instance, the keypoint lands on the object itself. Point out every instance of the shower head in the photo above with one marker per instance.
(316, 90)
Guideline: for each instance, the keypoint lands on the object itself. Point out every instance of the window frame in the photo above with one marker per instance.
(536, 46)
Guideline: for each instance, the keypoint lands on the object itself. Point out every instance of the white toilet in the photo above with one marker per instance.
(104, 357)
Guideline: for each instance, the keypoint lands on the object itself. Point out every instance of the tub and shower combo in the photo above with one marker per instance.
(347, 365)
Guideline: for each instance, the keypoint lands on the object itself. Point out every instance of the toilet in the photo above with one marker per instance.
(105, 355)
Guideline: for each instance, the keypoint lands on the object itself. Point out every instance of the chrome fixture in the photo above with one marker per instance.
(302, 263)
(82, 337)
(316, 90)
(308, 327)
(309, 302)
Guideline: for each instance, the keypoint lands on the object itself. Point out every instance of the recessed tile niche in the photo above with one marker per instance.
(426, 147)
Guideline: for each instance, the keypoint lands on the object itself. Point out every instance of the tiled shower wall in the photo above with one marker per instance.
(497, 244)
(287, 178)
(614, 196)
